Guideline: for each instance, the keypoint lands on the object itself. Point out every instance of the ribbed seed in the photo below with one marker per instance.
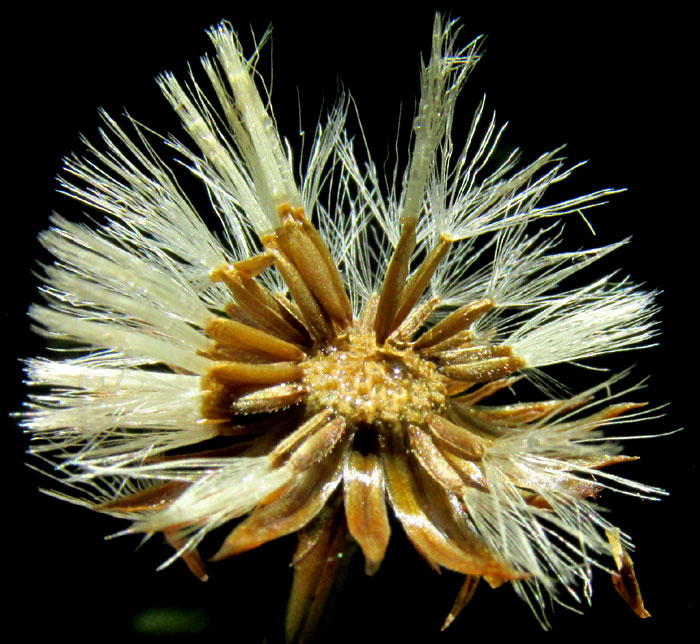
(455, 322)
(234, 333)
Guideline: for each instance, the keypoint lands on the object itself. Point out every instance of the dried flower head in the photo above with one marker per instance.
(333, 360)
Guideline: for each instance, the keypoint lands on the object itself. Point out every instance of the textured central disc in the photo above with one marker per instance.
(369, 384)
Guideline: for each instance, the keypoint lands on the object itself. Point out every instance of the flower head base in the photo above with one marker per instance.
(332, 364)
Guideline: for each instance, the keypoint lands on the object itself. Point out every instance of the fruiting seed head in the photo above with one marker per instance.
(334, 364)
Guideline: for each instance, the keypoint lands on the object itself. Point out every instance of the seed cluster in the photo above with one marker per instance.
(334, 365)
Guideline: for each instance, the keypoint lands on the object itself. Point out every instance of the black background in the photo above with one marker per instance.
(613, 85)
